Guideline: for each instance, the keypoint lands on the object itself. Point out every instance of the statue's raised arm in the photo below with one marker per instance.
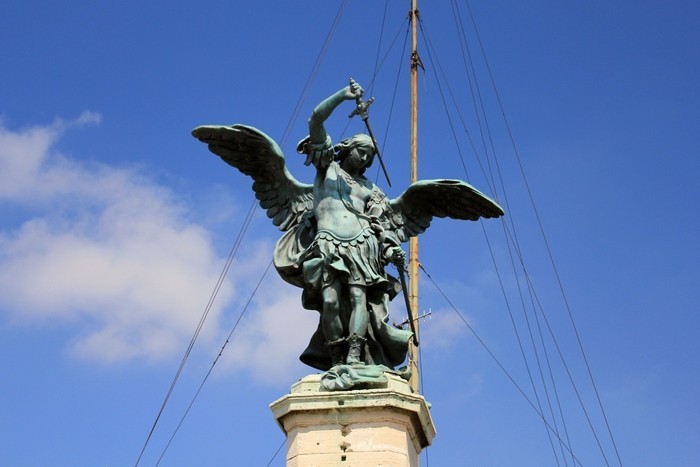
(318, 146)
(322, 111)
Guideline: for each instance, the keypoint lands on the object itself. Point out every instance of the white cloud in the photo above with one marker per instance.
(444, 329)
(273, 333)
(107, 249)
(21, 157)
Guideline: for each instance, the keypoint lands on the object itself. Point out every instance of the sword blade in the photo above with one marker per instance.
(376, 149)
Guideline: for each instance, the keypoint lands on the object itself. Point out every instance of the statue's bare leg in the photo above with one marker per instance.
(331, 323)
(359, 320)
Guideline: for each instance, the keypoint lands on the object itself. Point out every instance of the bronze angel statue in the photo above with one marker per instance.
(341, 232)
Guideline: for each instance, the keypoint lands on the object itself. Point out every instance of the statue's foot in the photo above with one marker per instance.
(355, 349)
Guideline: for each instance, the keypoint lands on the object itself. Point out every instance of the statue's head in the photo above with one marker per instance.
(360, 140)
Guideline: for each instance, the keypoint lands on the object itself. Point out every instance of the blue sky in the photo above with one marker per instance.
(115, 223)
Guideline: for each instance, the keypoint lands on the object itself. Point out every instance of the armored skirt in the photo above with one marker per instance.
(353, 261)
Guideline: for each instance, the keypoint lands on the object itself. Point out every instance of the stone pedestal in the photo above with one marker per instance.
(388, 426)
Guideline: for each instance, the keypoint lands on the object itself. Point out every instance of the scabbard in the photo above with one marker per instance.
(411, 320)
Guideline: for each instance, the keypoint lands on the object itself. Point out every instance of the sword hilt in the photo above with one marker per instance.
(362, 106)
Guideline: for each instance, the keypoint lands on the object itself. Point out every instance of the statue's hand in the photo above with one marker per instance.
(376, 225)
(353, 91)
(396, 256)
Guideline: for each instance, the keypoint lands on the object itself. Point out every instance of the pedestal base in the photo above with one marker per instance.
(371, 427)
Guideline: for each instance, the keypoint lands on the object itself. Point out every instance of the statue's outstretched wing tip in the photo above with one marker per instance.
(497, 211)
(205, 130)
(207, 133)
(466, 196)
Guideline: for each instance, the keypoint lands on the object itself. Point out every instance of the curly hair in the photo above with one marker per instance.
(343, 148)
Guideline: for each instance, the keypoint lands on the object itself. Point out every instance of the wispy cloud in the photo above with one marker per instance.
(116, 256)
(272, 334)
(444, 329)
(105, 248)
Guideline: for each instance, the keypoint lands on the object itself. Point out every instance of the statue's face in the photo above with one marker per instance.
(359, 157)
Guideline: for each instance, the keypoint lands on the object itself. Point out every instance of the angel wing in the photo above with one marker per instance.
(255, 154)
(410, 214)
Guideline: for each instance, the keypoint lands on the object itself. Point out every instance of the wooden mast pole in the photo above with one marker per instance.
(413, 241)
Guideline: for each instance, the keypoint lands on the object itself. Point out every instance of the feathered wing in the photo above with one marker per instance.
(255, 154)
(410, 214)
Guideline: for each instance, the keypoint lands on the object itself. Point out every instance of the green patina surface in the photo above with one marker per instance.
(340, 234)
